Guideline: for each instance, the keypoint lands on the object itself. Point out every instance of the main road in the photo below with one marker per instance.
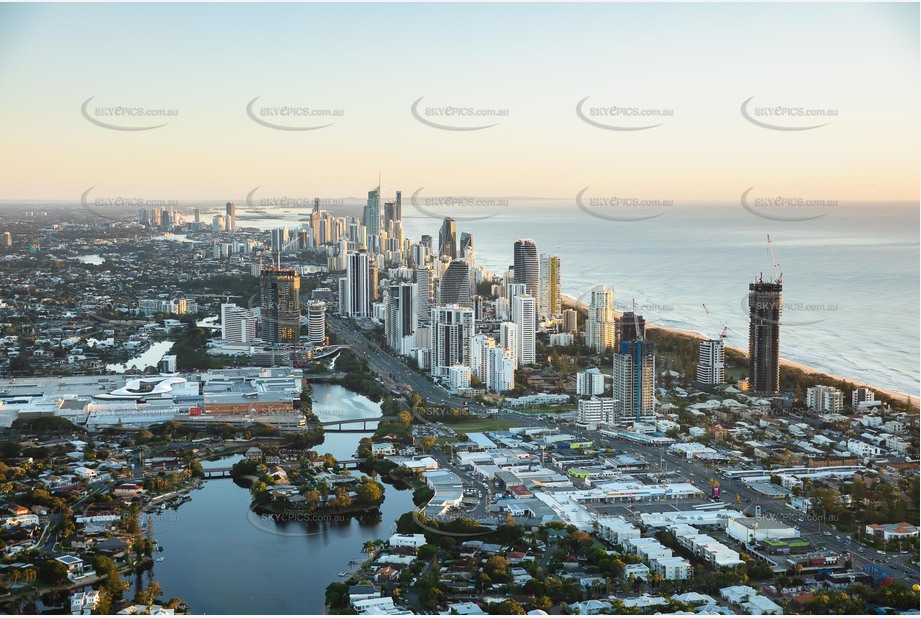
(391, 370)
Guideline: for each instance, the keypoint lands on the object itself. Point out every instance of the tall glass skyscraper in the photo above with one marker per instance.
(447, 238)
(372, 213)
(527, 267)
(764, 306)
(281, 305)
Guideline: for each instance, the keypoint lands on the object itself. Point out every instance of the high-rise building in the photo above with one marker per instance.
(826, 399)
(764, 308)
(402, 317)
(238, 324)
(635, 381)
(447, 239)
(468, 253)
(626, 330)
(524, 314)
(551, 301)
(589, 382)
(230, 217)
(508, 339)
(373, 279)
(455, 284)
(425, 288)
(372, 213)
(860, 395)
(527, 266)
(596, 410)
(500, 370)
(316, 322)
(570, 321)
(279, 239)
(479, 351)
(600, 333)
(196, 215)
(7, 239)
(452, 334)
(357, 286)
(711, 363)
(281, 305)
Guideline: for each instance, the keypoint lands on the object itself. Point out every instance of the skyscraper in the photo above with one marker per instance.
(281, 305)
(635, 381)
(500, 370)
(238, 324)
(468, 253)
(455, 284)
(478, 355)
(447, 238)
(570, 321)
(357, 285)
(402, 317)
(711, 363)
(626, 328)
(527, 267)
(524, 314)
(764, 308)
(230, 217)
(600, 331)
(316, 322)
(452, 334)
(372, 213)
(425, 288)
(508, 339)
(550, 292)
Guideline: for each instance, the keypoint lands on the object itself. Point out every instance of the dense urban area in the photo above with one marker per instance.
(563, 457)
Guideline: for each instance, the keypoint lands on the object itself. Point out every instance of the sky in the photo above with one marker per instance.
(694, 63)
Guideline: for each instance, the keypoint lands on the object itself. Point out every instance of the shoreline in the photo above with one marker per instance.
(913, 399)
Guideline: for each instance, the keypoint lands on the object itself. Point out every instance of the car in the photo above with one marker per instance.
(826, 533)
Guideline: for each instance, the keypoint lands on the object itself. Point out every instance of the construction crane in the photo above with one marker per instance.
(725, 333)
(778, 276)
(636, 323)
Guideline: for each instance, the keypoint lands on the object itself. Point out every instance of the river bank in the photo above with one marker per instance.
(569, 301)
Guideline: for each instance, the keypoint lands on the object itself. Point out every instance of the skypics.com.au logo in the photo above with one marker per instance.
(125, 117)
(291, 117)
(441, 206)
(621, 208)
(786, 117)
(116, 207)
(785, 207)
(456, 117)
(622, 118)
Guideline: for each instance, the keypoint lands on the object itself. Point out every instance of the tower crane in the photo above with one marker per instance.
(725, 333)
(778, 276)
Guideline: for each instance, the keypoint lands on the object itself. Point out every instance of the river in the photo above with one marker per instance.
(223, 559)
(149, 358)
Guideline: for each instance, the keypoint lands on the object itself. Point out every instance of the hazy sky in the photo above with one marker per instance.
(537, 61)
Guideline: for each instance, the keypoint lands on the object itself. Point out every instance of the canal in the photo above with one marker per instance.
(223, 559)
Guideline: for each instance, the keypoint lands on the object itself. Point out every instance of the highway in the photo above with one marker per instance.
(385, 365)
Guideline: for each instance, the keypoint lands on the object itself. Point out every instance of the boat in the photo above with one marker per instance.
(343, 574)
(161, 559)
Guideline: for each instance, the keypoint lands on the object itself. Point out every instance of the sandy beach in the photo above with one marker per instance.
(574, 302)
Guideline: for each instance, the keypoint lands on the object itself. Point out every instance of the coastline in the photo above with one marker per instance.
(913, 399)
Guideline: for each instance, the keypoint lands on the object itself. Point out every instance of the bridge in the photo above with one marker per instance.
(216, 473)
(336, 426)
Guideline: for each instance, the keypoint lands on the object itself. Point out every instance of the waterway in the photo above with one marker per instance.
(223, 559)
(91, 259)
(149, 358)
